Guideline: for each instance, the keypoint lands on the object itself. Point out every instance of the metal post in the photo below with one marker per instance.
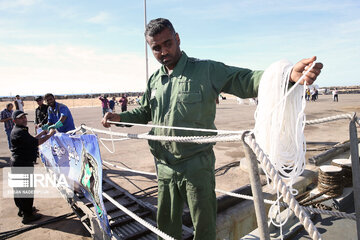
(146, 52)
(354, 150)
(256, 189)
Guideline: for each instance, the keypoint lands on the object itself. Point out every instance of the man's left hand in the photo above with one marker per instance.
(301, 67)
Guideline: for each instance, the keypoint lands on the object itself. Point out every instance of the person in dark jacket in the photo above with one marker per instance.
(41, 112)
(24, 153)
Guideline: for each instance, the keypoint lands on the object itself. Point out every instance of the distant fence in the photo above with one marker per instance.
(76, 96)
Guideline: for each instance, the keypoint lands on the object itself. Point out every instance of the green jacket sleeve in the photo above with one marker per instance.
(141, 114)
(240, 82)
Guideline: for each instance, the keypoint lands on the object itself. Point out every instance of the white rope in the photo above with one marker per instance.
(329, 119)
(173, 127)
(233, 137)
(193, 139)
(114, 139)
(279, 132)
(279, 126)
(283, 189)
(139, 219)
(128, 169)
(251, 198)
(113, 145)
(310, 209)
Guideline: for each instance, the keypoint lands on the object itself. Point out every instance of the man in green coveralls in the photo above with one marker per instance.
(182, 93)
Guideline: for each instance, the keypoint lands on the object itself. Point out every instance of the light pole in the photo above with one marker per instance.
(146, 52)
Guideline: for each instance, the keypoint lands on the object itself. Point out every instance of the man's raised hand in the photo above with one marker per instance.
(301, 67)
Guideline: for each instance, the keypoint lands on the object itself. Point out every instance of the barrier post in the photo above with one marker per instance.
(354, 151)
(256, 189)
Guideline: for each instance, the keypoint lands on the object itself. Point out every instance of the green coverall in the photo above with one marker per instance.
(186, 98)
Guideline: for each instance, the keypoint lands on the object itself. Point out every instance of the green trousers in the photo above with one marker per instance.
(191, 182)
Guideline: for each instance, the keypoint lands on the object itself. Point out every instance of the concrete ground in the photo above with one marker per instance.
(135, 154)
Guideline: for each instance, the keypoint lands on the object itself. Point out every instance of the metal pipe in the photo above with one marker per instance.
(256, 189)
(146, 51)
(354, 150)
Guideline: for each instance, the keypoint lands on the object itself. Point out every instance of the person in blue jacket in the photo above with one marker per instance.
(59, 115)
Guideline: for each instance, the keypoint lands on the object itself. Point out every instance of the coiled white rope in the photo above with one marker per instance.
(279, 125)
(280, 120)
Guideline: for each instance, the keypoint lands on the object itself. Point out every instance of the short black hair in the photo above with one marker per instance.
(49, 95)
(158, 25)
(38, 98)
(8, 105)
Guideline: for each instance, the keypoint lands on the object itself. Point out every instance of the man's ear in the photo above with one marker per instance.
(177, 38)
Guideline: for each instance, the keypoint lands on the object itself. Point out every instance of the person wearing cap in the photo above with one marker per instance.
(59, 116)
(104, 104)
(19, 104)
(41, 112)
(6, 118)
(24, 153)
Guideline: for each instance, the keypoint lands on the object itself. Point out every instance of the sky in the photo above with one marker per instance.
(72, 47)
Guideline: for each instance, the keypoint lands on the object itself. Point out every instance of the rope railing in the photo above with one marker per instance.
(247, 197)
(329, 119)
(289, 199)
(230, 136)
(172, 127)
(181, 139)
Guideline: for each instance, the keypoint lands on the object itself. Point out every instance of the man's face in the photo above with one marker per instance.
(40, 102)
(165, 47)
(10, 107)
(21, 121)
(50, 101)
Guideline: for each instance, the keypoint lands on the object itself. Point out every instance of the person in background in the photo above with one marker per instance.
(104, 104)
(313, 94)
(316, 94)
(137, 100)
(19, 104)
(124, 102)
(112, 104)
(335, 95)
(24, 153)
(6, 118)
(59, 116)
(182, 93)
(41, 112)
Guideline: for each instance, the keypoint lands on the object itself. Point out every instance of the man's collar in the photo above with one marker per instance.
(179, 68)
(20, 126)
(55, 105)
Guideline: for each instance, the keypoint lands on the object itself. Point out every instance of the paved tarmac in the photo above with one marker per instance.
(135, 154)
